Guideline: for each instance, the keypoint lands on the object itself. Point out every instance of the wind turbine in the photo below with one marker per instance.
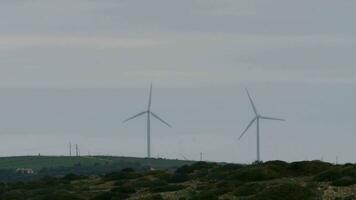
(148, 112)
(257, 119)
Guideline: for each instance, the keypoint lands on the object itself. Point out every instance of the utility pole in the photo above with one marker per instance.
(201, 156)
(76, 150)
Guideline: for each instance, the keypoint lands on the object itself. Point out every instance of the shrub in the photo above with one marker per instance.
(154, 197)
(287, 191)
(162, 175)
(167, 188)
(223, 187)
(329, 175)
(231, 167)
(177, 178)
(121, 176)
(73, 177)
(127, 170)
(50, 181)
(338, 176)
(204, 195)
(141, 182)
(126, 189)
(56, 195)
(306, 168)
(344, 181)
(186, 169)
(13, 195)
(250, 174)
(157, 183)
(249, 189)
(110, 196)
(351, 197)
(278, 166)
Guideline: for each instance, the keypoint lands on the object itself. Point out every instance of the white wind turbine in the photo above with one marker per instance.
(149, 113)
(257, 120)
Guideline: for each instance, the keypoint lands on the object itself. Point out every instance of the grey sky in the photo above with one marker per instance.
(73, 70)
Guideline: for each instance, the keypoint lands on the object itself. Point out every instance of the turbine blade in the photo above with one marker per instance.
(150, 98)
(253, 105)
(272, 118)
(249, 125)
(156, 116)
(133, 117)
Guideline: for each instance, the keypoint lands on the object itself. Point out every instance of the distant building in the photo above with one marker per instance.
(24, 171)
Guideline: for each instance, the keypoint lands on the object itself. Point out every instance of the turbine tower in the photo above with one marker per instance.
(257, 119)
(149, 113)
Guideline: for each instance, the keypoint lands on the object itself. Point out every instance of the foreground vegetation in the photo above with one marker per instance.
(275, 180)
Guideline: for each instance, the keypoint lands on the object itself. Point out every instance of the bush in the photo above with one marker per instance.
(154, 197)
(13, 195)
(111, 196)
(167, 188)
(225, 186)
(287, 191)
(126, 189)
(249, 189)
(307, 168)
(231, 167)
(204, 195)
(329, 175)
(351, 197)
(338, 176)
(177, 178)
(121, 176)
(186, 169)
(62, 196)
(73, 177)
(344, 181)
(162, 175)
(250, 174)
(127, 170)
(157, 183)
(141, 182)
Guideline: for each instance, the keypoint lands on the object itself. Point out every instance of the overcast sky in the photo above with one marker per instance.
(73, 70)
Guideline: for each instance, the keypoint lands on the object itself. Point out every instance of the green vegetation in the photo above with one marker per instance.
(274, 180)
(62, 165)
(40, 162)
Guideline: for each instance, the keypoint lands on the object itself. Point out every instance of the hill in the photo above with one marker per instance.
(89, 165)
(275, 180)
(40, 162)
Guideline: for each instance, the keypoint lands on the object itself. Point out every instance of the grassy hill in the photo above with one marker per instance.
(275, 180)
(39, 162)
(91, 165)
